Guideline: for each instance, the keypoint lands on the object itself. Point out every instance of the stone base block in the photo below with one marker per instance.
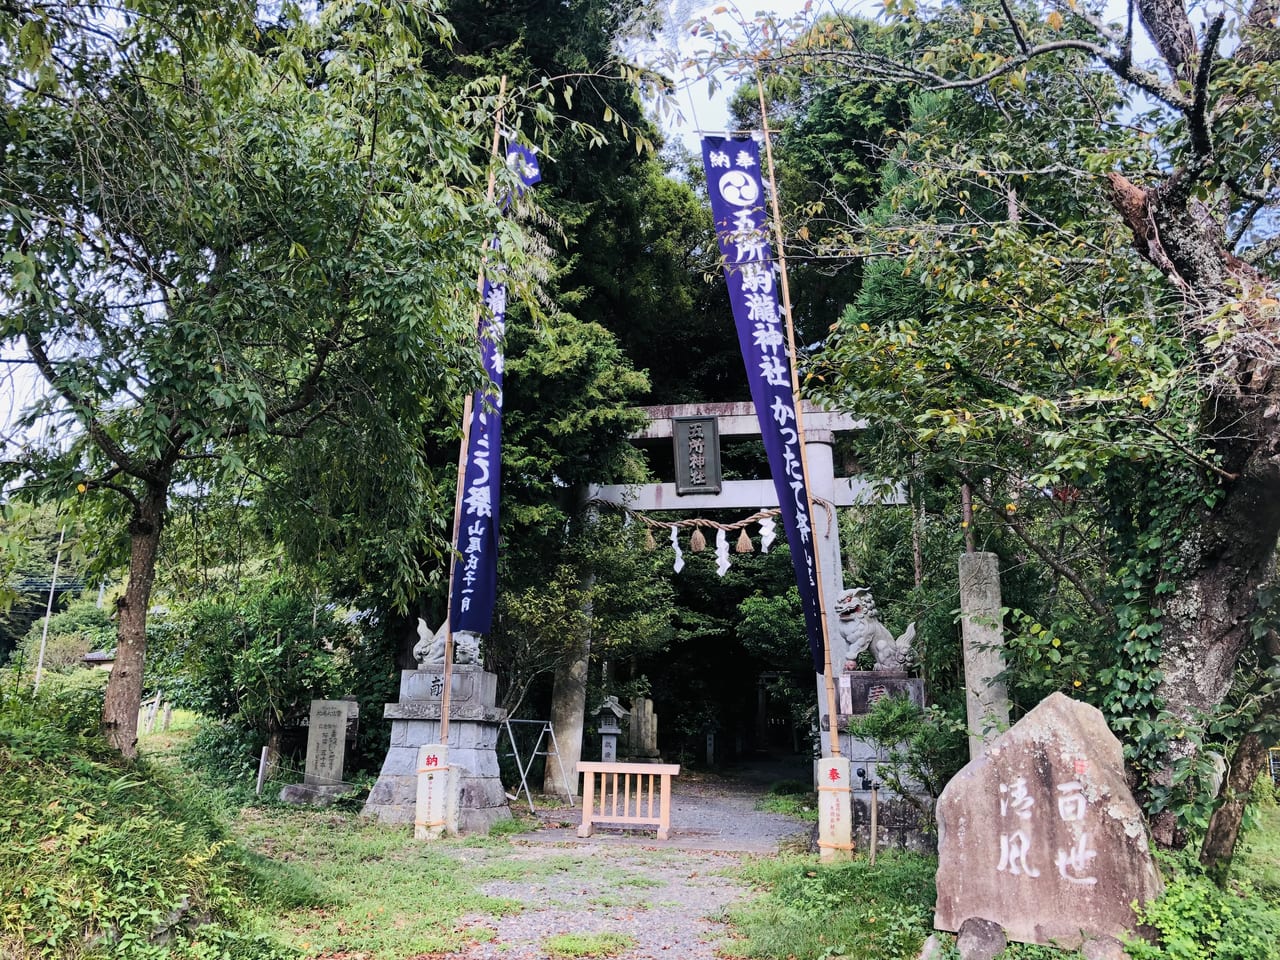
(314, 794)
(472, 748)
(868, 686)
(899, 824)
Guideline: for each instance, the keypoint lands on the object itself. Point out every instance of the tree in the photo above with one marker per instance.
(225, 237)
(1091, 243)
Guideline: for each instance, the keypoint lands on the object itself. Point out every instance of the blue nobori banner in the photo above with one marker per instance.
(475, 573)
(738, 207)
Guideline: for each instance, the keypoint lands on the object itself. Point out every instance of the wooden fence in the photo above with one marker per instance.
(627, 794)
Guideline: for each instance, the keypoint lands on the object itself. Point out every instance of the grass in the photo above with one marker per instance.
(810, 910)
(100, 857)
(371, 892)
(1259, 856)
(640, 881)
(799, 806)
(791, 798)
(569, 945)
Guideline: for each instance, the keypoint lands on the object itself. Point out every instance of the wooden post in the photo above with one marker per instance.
(875, 816)
(48, 610)
(462, 464)
(834, 738)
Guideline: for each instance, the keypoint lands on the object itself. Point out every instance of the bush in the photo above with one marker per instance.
(927, 747)
(223, 753)
(70, 703)
(79, 629)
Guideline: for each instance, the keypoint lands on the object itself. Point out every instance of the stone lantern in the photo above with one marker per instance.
(608, 717)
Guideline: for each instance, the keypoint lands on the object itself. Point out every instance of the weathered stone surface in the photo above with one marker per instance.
(326, 741)
(642, 730)
(868, 686)
(982, 628)
(931, 949)
(1041, 835)
(980, 940)
(1104, 948)
(314, 794)
(900, 824)
(427, 710)
(469, 682)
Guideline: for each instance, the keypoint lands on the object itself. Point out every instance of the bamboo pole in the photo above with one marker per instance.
(462, 458)
(833, 737)
(48, 610)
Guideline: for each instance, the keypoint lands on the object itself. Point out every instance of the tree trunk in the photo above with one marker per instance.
(568, 717)
(1224, 826)
(1231, 549)
(124, 687)
(1208, 622)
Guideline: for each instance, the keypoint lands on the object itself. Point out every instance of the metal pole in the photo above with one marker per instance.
(462, 466)
(48, 610)
(875, 815)
(833, 737)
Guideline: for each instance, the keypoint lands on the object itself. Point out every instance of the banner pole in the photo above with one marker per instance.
(833, 734)
(462, 460)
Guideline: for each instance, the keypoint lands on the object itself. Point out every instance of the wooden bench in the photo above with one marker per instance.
(628, 794)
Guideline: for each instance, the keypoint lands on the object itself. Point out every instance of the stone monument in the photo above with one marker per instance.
(326, 754)
(475, 721)
(1041, 835)
(982, 628)
(642, 731)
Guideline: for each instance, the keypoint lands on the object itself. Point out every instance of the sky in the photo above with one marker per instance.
(699, 109)
(709, 112)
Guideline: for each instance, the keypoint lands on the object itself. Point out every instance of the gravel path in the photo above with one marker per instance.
(667, 902)
(669, 898)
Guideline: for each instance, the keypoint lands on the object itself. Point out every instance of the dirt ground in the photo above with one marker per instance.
(669, 898)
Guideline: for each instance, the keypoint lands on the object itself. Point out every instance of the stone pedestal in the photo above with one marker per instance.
(474, 724)
(903, 823)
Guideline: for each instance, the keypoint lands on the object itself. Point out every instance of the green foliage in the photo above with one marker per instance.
(1258, 858)
(79, 629)
(256, 659)
(68, 702)
(925, 747)
(224, 753)
(1198, 920)
(605, 585)
(106, 859)
(809, 909)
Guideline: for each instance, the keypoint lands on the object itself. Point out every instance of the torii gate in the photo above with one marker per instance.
(739, 419)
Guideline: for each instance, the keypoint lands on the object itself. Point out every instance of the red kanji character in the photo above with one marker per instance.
(834, 775)
(1082, 766)
(432, 761)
